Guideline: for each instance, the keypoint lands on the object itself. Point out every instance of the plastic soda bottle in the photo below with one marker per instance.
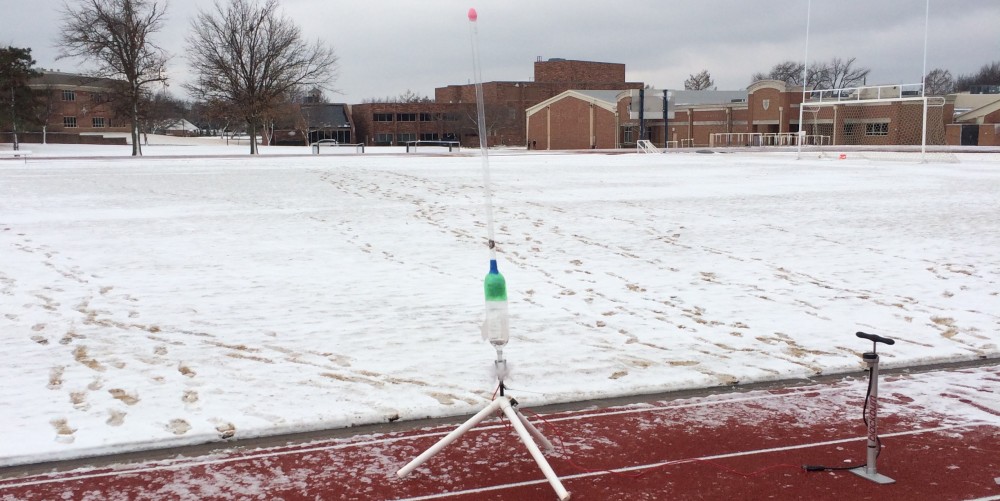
(496, 327)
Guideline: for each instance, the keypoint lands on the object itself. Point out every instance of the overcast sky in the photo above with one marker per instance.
(387, 47)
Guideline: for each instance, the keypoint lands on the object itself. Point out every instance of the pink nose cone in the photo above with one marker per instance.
(472, 15)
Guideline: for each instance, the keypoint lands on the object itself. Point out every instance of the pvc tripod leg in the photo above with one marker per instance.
(524, 429)
(517, 421)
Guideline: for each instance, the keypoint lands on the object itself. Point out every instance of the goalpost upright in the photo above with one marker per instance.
(855, 99)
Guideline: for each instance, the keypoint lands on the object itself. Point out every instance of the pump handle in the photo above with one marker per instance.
(876, 338)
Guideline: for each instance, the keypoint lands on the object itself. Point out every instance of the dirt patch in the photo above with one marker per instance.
(126, 397)
(226, 430)
(80, 355)
(250, 357)
(350, 379)
(178, 426)
(948, 324)
(55, 377)
(79, 400)
(64, 433)
(115, 417)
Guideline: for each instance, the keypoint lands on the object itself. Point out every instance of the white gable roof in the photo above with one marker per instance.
(606, 99)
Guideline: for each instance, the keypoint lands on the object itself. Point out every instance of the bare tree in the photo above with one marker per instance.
(213, 116)
(790, 72)
(160, 112)
(497, 117)
(117, 35)
(46, 99)
(407, 97)
(285, 113)
(701, 81)
(838, 74)
(988, 74)
(248, 54)
(938, 83)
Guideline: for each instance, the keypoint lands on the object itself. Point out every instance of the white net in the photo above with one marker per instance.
(893, 122)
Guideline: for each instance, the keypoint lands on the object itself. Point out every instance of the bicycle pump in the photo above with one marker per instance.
(870, 358)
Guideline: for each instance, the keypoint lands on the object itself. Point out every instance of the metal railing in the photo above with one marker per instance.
(863, 94)
(358, 147)
(427, 142)
(646, 146)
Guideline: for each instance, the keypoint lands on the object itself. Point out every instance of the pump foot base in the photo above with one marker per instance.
(878, 478)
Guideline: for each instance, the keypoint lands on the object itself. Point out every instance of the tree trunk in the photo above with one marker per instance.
(136, 147)
(13, 118)
(252, 129)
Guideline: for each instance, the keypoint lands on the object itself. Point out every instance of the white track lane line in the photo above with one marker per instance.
(179, 466)
(180, 463)
(692, 460)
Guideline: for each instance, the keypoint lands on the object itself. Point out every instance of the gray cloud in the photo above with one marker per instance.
(390, 46)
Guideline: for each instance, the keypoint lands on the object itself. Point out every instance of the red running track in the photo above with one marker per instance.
(734, 446)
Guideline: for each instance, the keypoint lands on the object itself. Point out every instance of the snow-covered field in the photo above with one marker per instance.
(165, 301)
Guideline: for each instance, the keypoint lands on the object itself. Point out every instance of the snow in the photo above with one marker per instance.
(198, 294)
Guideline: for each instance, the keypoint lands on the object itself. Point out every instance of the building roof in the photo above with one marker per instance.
(326, 115)
(607, 99)
(608, 96)
(977, 114)
(58, 79)
(180, 124)
(706, 97)
(653, 102)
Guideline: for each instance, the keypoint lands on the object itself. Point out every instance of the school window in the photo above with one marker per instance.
(428, 136)
(69, 122)
(851, 129)
(405, 138)
(69, 95)
(383, 117)
(877, 129)
(383, 139)
(406, 117)
(425, 117)
(97, 122)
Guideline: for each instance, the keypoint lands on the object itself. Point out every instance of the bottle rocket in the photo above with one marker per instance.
(496, 327)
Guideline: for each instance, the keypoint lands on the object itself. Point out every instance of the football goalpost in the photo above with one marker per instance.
(886, 122)
(890, 122)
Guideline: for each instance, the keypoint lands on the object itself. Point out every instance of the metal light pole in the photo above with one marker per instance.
(923, 86)
(805, 76)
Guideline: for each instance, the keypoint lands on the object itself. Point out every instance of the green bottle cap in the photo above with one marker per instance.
(494, 284)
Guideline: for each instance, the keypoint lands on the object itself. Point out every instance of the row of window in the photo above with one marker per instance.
(95, 122)
(871, 129)
(414, 117)
(386, 139)
(70, 95)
